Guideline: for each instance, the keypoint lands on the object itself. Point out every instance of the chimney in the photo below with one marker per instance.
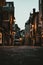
(33, 10)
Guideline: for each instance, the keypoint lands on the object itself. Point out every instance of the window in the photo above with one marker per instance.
(10, 5)
(40, 1)
(5, 15)
(7, 4)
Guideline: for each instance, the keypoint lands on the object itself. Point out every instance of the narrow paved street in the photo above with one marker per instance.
(21, 55)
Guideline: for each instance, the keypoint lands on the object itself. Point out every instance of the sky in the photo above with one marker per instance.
(23, 9)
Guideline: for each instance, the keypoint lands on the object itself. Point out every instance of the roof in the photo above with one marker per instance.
(31, 18)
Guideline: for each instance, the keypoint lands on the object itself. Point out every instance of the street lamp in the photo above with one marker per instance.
(32, 26)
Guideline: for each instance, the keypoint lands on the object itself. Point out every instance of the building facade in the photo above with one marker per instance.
(33, 29)
(6, 22)
(41, 18)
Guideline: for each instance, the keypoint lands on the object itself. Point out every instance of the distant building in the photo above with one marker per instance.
(22, 36)
(16, 29)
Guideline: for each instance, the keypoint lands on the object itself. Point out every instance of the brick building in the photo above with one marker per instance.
(41, 18)
(6, 22)
(32, 29)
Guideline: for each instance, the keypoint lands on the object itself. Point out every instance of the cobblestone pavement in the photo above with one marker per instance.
(21, 55)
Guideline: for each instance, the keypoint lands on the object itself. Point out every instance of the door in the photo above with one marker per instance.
(0, 38)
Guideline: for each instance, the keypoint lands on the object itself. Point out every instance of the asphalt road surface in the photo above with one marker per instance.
(21, 55)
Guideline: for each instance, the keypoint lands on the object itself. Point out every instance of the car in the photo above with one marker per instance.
(18, 41)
